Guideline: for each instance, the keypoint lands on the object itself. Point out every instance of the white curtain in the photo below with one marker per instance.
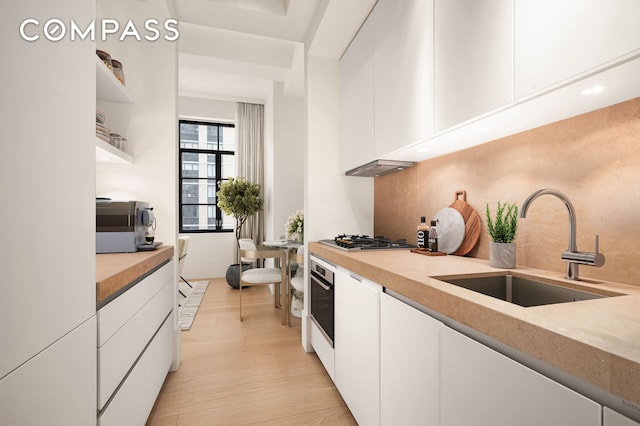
(250, 159)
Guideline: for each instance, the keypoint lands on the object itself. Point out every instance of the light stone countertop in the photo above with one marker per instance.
(597, 340)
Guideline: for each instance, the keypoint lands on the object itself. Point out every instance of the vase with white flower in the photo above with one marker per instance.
(295, 226)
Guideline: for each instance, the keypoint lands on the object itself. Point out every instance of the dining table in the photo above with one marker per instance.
(286, 245)
(282, 244)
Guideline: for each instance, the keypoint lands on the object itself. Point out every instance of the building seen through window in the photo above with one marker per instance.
(207, 157)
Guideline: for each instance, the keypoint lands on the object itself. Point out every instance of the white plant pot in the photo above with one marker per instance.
(502, 255)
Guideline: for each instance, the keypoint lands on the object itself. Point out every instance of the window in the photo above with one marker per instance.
(206, 158)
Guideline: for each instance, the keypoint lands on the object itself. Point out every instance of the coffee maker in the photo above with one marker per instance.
(124, 226)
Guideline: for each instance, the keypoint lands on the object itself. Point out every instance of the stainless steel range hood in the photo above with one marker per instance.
(379, 168)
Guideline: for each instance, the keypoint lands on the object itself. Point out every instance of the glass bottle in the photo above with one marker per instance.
(433, 237)
(423, 234)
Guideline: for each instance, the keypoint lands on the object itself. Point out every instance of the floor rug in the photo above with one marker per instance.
(189, 306)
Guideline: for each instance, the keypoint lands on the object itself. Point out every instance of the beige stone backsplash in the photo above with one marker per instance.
(593, 158)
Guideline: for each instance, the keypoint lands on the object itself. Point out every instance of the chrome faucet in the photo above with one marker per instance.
(572, 256)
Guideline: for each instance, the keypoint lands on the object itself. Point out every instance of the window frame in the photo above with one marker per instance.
(218, 154)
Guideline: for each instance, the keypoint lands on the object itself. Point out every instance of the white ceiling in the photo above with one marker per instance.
(281, 19)
(236, 49)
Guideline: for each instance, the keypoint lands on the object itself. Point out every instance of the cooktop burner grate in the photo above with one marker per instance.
(365, 242)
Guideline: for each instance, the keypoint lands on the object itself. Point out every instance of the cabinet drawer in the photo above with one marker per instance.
(119, 353)
(323, 349)
(135, 398)
(115, 314)
(55, 387)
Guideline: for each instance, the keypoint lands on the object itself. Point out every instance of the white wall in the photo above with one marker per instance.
(209, 254)
(270, 165)
(334, 203)
(193, 108)
(150, 123)
(287, 177)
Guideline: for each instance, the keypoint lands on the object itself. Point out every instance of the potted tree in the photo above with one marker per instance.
(502, 229)
(240, 199)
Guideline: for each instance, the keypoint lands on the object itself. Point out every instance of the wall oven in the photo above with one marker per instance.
(322, 297)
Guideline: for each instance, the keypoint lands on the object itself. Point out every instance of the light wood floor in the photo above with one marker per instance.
(250, 372)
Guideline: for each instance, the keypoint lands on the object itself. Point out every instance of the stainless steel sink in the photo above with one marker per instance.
(523, 291)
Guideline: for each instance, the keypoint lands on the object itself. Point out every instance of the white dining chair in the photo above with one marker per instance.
(275, 275)
(296, 283)
(183, 247)
(248, 244)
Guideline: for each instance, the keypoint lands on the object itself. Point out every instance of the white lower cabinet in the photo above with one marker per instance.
(55, 387)
(612, 418)
(482, 387)
(135, 348)
(319, 339)
(397, 365)
(132, 403)
(357, 346)
(323, 349)
(409, 375)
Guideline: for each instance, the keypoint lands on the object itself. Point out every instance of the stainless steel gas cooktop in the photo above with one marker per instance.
(365, 242)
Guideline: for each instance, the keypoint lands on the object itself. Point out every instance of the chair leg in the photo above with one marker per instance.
(276, 295)
(289, 298)
(187, 282)
(240, 288)
(283, 314)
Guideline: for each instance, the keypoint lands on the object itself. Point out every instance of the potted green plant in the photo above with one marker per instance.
(241, 199)
(502, 230)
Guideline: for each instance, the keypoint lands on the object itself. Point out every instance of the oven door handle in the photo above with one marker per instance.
(320, 283)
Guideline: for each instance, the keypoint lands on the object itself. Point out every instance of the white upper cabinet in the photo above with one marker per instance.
(451, 74)
(356, 90)
(404, 90)
(473, 59)
(558, 40)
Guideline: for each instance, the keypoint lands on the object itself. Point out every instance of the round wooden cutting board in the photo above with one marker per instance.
(472, 223)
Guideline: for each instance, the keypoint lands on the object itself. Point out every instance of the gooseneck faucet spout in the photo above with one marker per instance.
(572, 256)
(566, 201)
